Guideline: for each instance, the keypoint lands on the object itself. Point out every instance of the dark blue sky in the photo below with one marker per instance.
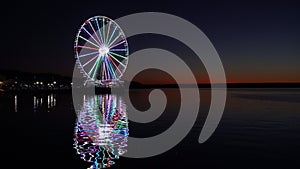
(257, 41)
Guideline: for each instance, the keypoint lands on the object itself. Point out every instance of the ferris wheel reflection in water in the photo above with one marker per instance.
(101, 130)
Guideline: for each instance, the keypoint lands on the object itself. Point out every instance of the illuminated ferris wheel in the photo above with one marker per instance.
(101, 50)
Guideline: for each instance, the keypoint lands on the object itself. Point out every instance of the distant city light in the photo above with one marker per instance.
(34, 85)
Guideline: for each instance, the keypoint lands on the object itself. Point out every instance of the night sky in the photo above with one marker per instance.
(257, 41)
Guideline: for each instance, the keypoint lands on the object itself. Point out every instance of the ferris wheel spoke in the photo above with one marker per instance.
(111, 68)
(121, 56)
(107, 69)
(104, 70)
(107, 33)
(115, 65)
(117, 44)
(89, 41)
(111, 43)
(95, 70)
(103, 29)
(99, 30)
(94, 65)
(90, 60)
(88, 54)
(94, 32)
(86, 47)
(112, 71)
(117, 60)
(91, 36)
(112, 35)
(118, 50)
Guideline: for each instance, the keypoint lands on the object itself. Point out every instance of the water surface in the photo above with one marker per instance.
(259, 129)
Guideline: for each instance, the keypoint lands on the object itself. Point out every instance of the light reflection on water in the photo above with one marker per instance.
(16, 103)
(101, 130)
(38, 102)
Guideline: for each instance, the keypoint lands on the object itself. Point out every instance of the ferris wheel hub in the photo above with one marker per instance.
(103, 50)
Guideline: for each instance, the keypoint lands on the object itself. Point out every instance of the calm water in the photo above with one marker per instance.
(260, 128)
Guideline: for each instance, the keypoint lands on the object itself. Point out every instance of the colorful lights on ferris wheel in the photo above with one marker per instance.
(101, 50)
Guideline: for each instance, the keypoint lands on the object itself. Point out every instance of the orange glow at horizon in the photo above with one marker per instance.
(156, 78)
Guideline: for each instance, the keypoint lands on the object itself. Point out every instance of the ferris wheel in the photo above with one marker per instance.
(101, 50)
